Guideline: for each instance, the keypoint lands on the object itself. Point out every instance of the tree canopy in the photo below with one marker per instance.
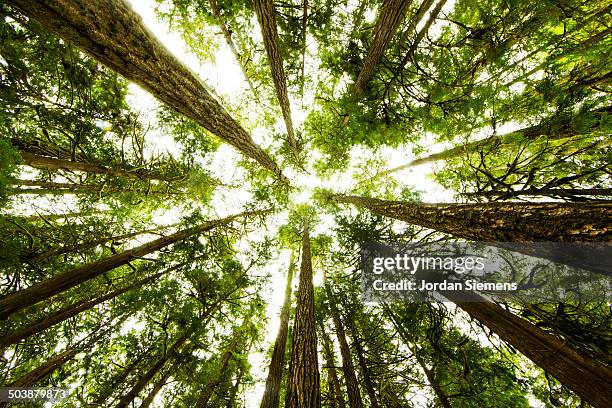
(186, 187)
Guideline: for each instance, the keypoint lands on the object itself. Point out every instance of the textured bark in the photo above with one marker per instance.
(336, 399)
(350, 378)
(515, 222)
(550, 129)
(43, 290)
(588, 378)
(303, 387)
(588, 225)
(54, 164)
(112, 33)
(552, 192)
(73, 310)
(214, 8)
(391, 15)
(41, 256)
(267, 22)
(271, 397)
(142, 382)
(158, 386)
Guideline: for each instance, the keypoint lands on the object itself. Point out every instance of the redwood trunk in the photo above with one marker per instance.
(128, 398)
(513, 222)
(37, 257)
(44, 369)
(303, 387)
(267, 22)
(213, 382)
(588, 378)
(390, 17)
(54, 164)
(271, 397)
(112, 33)
(420, 35)
(336, 399)
(555, 192)
(71, 311)
(429, 373)
(158, 386)
(53, 188)
(365, 370)
(43, 290)
(352, 385)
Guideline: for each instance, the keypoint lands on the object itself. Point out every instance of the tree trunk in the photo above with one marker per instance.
(271, 397)
(112, 33)
(267, 22)
(43, 290)
(73, 310)
(235, 343)
(390, 17)
(304, 32)
(208, 391)
(506, 225)
(352, 385)
(420, 35)
(231, 402)
(107, 392)
(128, 398)
(303, 388)
(37, 257)
(429, 372)
(365, 370)
(53, 188)
(158, 386)
(551, 129)
(588, 378)
(551, 192)
(336, 400)
(46, 368)
(54, 164)
(55, 362)
(214, 8)
(514, 222)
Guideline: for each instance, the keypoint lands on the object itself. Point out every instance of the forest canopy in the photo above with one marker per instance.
(186, 187)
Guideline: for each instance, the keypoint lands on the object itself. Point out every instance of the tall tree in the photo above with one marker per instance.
(40, 291)
(126, 46)
(519, 222)
(271, 397)
(267, 22)
(303, 381)
(348, 369)
(390, 16)
(588, 378)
